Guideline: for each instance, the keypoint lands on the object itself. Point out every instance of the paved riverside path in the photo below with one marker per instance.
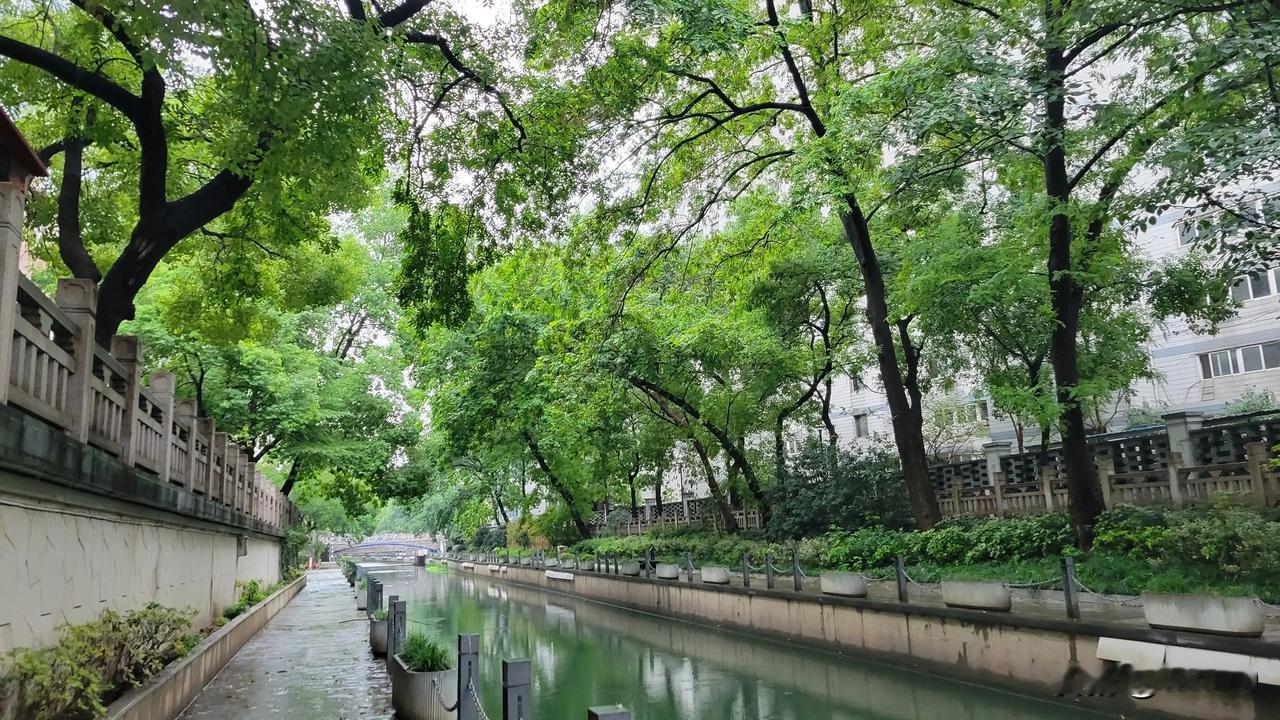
(311, 662)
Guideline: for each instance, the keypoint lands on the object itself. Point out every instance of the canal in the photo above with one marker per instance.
(587, 653)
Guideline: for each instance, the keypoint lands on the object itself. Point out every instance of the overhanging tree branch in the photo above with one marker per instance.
(77, 77)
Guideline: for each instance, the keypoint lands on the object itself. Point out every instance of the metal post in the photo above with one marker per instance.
(517, 690)
(1069, 595)
(796, 576)
(688, 566)
(468, 670)
(373, 596)
(648, 563)
(768, 571)
(901, 571)
(577, 561)
(746, 571)
(613, 712)
(391, 627)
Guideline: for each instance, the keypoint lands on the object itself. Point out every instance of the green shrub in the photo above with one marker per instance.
(93, 663)
(361, 584)
(865, 489)
(1133, 530)
(378, 615)
(251, 593)
(421, 654)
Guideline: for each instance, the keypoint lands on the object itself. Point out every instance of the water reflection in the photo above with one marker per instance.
(590, 654)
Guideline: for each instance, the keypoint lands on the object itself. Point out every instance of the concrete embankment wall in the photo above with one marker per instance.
(1042, 656)
(80, 534)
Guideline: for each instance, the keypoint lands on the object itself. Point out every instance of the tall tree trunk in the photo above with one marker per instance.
(294, 469)
(70, 238)
(908, 422)
(717, 492)
(734, 450)
(833, 438)
(558, 486)
(1084, 492)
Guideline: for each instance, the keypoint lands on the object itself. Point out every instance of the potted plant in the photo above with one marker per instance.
(588, 562)
(378, 632)
(362, 594)
(422, 675)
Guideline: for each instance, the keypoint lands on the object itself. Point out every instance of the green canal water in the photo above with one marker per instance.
(586, 653)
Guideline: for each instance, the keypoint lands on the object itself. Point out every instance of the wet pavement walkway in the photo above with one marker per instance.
(311, 662)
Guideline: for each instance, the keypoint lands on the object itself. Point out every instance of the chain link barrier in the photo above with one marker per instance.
(1122, 600)
(471, 687)
(440, 697)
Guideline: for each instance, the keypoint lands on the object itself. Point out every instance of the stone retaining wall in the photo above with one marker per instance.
(1032, 654)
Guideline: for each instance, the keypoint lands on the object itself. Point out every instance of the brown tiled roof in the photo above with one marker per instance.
(12, 140)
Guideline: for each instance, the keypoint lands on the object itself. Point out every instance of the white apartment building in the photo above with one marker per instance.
(1196, 372)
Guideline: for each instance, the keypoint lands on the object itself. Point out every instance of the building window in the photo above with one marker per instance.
(1250, 358)
(1188, 231)
(1256, 285)
(856, 383)
(861, 428)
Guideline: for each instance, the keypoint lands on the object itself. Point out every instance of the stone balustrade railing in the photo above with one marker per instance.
(51, 367)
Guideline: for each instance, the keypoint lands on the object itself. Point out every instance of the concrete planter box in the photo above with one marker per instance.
(588, 565)
(630, 568)
(378, 637)
(362, 599)
(667, 571)
(715, 575)
(168, 693)
(844, 584)
(526, 561)
(976, 595)
(1238, 616)
(414, 697)
(551, 563)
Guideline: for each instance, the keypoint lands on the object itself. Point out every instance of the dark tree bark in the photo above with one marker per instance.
(907, 418)
(717, 492)
(294, 469)
(1085, 501)
(70, 237)
(162, 222)
(735, 452)
(558, 485)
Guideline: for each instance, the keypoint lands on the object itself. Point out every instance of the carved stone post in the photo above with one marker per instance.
(162, 386)
(79, 300)
(254, 480)
(1050, 475)
(1179, 426)
(993, 451)
(128, 352)
(184, 413)
(997, 481)
(1257, 457)
(218, 474)
(13, 202)
(1106, 477)
(1175, 470)
(205, 428)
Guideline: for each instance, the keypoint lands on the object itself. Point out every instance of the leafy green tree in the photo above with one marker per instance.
(248, 121)
(1081, 96)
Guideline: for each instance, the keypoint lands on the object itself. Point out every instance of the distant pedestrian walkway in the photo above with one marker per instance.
(311, 662)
